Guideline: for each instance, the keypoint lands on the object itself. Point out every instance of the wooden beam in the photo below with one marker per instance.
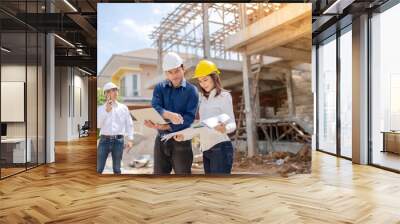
(290, 54)
(304, 43)
(287, 15)
(232, 81)
(280, 37)
(281, 66)
(266, 76)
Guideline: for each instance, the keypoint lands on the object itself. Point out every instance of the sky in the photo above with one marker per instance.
(123, 27)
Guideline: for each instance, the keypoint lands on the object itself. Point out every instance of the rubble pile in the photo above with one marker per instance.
(277, 162)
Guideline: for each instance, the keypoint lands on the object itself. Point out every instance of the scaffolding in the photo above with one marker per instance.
(200, 30)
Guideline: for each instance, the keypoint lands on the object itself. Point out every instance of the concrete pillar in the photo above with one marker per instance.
(360, 90)
(251, 130)
(50, 98)
(249, 113)
(206, 31)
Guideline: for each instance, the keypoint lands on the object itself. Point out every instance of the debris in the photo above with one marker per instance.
(197, 165)
(141, 161)
(198, 158)
(279, 162)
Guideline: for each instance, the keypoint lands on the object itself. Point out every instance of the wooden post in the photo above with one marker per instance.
(289, 91)
(257, 104)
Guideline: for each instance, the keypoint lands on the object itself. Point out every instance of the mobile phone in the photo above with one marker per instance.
(109, 99)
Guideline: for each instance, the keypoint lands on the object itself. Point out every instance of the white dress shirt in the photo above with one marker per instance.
(211, 107)
(116, 122)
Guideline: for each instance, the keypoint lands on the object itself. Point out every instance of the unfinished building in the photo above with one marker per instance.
(264, 53)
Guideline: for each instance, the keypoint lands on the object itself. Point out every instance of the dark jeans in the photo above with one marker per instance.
(172, 155)
(218, 159)
(107, 146)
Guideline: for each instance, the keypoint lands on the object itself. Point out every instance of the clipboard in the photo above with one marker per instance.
(148, 114)
(212, 122)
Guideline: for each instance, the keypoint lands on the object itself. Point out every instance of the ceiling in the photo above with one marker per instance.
(332, 15)
(75, 23)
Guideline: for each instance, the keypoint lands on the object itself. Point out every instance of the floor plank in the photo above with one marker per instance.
(70, 191)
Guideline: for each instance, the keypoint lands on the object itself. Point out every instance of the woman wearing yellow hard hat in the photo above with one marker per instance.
(214, 102)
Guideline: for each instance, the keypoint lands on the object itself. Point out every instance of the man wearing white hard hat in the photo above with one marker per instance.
(177, 101)
(115, 122)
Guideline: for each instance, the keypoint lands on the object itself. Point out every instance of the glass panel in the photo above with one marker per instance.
(385, 86)
(22, 89)
(327, 96)
(31, 98)
(122, 87)
(346, 94)
(41, 98)
(135, 85)
(13, 77)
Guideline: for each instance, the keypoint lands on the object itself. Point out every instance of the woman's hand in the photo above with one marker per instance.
(178, 138)
(220, 128)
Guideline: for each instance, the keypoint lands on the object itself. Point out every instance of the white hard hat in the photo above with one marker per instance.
(109, 85)
(171, 60)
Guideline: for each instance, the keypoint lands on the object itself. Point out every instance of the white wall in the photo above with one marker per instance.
(80, 83)
(14, 73)
(69, 82)
(35, 122)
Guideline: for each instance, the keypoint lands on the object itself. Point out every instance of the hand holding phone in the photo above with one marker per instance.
(108, 103)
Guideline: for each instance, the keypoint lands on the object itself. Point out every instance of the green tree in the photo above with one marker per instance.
(101, 98)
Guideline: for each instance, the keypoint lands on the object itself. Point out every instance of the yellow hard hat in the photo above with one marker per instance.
(204, 68)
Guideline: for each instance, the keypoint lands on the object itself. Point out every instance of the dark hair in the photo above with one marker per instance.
(217, 85)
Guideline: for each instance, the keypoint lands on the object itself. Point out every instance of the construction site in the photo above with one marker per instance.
(263, 51)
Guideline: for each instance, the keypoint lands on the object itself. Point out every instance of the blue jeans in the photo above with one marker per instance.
(218, 159)
(107, 146)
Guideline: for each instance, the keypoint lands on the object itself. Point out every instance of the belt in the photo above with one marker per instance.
(112, 136)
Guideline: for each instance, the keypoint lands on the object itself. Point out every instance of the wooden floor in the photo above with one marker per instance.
(5, 172)
(70, 191)
(386, 159)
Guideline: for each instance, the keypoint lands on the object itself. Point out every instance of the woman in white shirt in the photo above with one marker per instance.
(214, 100)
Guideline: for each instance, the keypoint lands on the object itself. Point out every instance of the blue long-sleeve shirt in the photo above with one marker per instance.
(183, 100)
